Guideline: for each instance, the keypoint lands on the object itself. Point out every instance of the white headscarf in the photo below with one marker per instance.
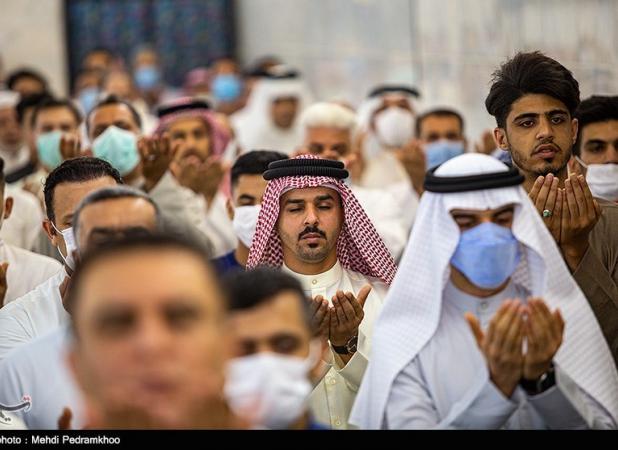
(369, 106)
(412, 308)
(8, 99)
(254, 126)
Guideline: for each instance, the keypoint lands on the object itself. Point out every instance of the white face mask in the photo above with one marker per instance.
(602, 180)
(245, 223)
(394, 126)
(69, 243)
(269, 390)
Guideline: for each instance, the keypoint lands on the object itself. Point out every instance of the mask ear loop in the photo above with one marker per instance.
(578, 159)
(68, 260)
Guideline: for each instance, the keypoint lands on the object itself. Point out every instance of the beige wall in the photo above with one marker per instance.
(32, 34)
(448, 48)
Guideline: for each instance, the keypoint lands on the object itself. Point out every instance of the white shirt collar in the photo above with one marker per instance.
(322, 280)
(469, 303)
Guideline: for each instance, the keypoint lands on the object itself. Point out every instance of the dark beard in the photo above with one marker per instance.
(517, 162)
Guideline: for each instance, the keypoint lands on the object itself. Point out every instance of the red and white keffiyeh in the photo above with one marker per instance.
(359, 247)
(219, 136)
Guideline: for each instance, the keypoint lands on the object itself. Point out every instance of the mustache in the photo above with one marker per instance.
(310, 230)
(192, 152)
(536, 148)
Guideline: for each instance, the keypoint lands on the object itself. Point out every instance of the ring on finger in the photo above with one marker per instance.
(547, 213)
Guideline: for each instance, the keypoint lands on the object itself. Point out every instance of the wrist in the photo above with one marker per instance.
(539, 384)
(345, 347)
(574, 249)
(573, 254)
(505, 386)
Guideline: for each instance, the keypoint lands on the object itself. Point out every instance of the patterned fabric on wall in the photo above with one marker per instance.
(185, 33)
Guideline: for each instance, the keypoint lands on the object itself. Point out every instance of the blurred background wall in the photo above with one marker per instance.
(448, 48)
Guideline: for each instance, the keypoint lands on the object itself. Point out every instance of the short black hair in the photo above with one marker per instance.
(530, 73)
(76, 170)
(598, 108)
(18, 74)
(114, 100)
(252, 288)
(117, 247)
(439, 112)
(254, 162)
(50, 103)
(30, 101)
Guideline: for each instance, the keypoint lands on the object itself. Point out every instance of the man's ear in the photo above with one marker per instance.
(501, 139)
(8, 207)
(229, 208)
(50, 232)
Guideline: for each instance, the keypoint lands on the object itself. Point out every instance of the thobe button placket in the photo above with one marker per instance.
(483, 306)
(337, 421)
(314, 281)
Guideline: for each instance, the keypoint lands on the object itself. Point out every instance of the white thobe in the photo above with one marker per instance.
(182, 203)
(384, 172)
(26, 270)
(386, 215)
(332, 399)
(8, 421)
(216, 225)
(39, 369)
(24, 224)
(175, 199)
(38, 312)
(270, 137)
(447, 384)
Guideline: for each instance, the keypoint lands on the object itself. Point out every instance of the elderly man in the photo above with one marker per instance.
(313, 227)
(386, 124)
(596, 149)
(199, 140)
(103, 215)
(328, 129)
(484, 327)
(277, 354)
(534, 99)
(150, 338)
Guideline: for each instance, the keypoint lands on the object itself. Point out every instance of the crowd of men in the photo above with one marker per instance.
(237, 255)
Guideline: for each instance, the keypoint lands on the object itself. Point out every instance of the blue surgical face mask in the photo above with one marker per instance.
(487, 255)
(147, 77)
(88, 98)
(441, 151)
(119, 148)
(48, 149)
(226, 87)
